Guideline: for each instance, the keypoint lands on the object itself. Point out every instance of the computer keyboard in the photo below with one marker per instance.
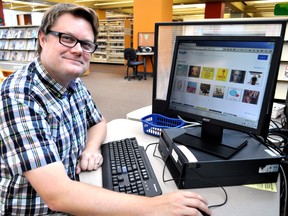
(126, 168)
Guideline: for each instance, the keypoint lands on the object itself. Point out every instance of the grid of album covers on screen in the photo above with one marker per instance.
(224, 75)
(18, 44)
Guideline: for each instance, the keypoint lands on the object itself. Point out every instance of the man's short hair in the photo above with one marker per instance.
(52, 15)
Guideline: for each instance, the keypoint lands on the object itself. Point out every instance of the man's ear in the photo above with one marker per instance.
(41, 38)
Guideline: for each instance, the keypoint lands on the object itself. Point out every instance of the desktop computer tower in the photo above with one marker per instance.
(254, 163)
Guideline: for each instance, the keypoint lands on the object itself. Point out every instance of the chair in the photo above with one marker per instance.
(131, 61)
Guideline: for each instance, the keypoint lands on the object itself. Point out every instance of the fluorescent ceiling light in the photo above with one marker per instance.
(22, 2)
(112, 3)
(266, 2)
(187, 6)
(87, 0)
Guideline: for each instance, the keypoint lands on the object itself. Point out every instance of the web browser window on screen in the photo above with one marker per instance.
(225, 80)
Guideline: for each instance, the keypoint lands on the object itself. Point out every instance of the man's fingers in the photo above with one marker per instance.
(90, 161)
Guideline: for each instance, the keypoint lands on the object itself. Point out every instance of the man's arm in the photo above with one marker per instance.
(65, 195)
(91, 158)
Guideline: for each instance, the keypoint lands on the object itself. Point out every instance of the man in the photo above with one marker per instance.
(51, 130)
(237, 76)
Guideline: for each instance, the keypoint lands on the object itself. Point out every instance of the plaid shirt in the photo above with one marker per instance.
(41, 122)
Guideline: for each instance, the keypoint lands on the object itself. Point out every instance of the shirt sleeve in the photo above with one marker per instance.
(26, 137)
(93, 114)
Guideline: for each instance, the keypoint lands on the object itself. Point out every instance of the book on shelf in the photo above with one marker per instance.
(17, 44)
(18, 55)
(3, 33)
(11, 33)
(4, 44)
(28, 33)
(12, 44)
(31, 33)
(31, 44)
(4, 55)
(19, 33)
(31, 55)
(20, 44)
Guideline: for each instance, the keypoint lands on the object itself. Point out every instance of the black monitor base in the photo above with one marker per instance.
(224, 149)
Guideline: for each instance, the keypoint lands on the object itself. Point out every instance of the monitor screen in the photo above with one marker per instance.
(223, 82)
(146, 39)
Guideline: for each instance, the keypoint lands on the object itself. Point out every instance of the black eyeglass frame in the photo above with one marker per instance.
(59, 35)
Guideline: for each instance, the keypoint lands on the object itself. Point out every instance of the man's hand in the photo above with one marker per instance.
(89, 161)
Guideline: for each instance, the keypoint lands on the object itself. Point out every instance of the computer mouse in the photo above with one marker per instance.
(203, 213)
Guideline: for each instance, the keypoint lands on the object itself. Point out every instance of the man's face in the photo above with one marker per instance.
(237, 76)
(65, 64)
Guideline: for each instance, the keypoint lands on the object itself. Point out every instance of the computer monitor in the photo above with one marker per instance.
(224, 82)
(146, 41)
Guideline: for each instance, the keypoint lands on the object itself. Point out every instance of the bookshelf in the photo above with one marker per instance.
(114, 36)
(282, 83)
(17, 43)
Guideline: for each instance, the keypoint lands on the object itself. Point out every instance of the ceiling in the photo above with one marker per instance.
(182, 9)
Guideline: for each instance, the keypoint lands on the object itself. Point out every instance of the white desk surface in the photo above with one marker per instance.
(137, 114)
(242, 201)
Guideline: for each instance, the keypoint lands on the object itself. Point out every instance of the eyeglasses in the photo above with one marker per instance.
(71, 41)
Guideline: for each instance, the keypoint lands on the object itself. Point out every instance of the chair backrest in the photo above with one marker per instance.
(130, 54)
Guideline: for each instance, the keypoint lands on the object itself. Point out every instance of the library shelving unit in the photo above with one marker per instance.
(17, 46)
(18, 43)
(114, 37)
(282, 82)
(101, 55)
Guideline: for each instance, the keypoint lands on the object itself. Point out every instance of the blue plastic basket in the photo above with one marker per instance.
(154, 123)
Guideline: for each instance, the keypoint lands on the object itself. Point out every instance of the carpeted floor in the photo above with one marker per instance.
(114, 95)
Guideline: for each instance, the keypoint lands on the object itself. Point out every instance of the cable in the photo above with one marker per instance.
(212, 183)
(174, 179)
(258, 138)
(150, 144)
(282, 139)
(154, 151)
(276, 124)
(266, 143)
(189, 123)
(285, 191)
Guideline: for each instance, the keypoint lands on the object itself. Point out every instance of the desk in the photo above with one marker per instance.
(137, 114)
(145, 55)
(242, 201)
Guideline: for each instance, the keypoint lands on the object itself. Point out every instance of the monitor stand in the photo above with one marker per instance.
(210, 139)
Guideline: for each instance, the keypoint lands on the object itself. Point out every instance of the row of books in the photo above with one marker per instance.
(17, 55)
(19, 33)
(29, 44)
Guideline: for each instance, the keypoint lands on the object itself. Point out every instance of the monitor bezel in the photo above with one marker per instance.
(266, 107)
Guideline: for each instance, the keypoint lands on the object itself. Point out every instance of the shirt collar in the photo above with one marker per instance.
(51, 84)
